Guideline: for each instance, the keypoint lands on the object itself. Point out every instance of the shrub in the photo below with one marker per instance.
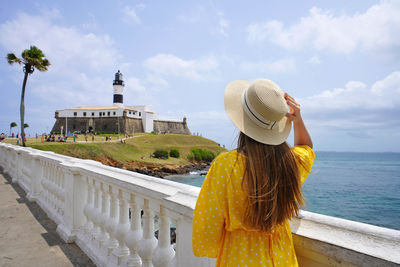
(199, 154)
(161, 154)
(174, 153)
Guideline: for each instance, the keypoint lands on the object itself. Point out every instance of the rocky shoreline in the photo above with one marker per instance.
(152, 169)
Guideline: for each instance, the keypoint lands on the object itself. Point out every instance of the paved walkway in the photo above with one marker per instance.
(27, 236)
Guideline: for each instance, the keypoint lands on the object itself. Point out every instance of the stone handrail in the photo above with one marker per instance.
(112, 215)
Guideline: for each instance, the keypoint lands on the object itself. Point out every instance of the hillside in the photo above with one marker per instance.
(135, 153)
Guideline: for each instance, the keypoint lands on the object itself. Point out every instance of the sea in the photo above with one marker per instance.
(363, 187)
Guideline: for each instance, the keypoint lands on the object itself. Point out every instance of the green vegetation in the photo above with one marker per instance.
(174, 153)
(199, 154)
(136, 149)
(160, 154)
(105, 132)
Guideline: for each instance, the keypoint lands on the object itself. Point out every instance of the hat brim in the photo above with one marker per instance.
(234, 110)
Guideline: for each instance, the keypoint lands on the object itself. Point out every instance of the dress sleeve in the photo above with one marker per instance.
(208, 218)
(305, 158)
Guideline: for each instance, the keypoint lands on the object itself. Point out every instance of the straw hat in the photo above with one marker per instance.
(258, 109)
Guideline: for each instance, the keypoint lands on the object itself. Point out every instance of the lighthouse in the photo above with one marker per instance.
(118, 85)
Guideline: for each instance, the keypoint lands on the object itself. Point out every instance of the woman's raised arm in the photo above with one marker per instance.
(301, 135)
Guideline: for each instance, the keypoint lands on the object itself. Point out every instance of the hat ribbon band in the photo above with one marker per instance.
(254, 115)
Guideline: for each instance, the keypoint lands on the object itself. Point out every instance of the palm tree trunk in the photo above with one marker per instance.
(22, 107)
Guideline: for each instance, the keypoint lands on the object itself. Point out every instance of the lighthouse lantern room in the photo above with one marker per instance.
(118, 85)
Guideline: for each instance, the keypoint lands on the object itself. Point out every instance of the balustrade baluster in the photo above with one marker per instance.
(96, 212)
(105, 211)
(112, 222)
(135, 234)
(89, 204)
(164, 252)
(122, 229)
(148, 242)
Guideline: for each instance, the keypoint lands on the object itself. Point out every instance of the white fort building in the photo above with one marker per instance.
(115, 118)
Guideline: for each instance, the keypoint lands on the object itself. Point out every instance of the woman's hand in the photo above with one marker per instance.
(301, 135)
(294, 112)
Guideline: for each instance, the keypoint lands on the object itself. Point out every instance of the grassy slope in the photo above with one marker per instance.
(135, 149)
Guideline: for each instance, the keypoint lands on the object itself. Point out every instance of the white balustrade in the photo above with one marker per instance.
(96, 212)
(112, 214)
(105, 210)
(88, 208)
(164, 253)
(112, 222)
(148, 242)
(135, 233)
(122, 251)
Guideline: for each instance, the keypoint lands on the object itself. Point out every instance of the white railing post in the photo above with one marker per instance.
(105, 211)
(87, 210)
(36, 178)
(134, 234)
(164, 252)
(112, 221)
(148, 242)
(18, 167)
(76, 192)
(96, 212)
(122, 251)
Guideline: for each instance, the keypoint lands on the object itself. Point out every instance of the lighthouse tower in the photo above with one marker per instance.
(118, 85)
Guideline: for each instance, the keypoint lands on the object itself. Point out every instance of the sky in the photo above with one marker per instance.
(339, 59)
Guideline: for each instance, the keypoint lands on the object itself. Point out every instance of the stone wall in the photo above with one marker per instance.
(132, 125)
(86, 124)
(125, 125)
(171, 127)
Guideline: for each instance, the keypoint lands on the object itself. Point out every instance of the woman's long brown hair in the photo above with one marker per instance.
(271, 183)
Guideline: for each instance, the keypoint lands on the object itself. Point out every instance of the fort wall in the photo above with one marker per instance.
(178, 127)
(117, 124)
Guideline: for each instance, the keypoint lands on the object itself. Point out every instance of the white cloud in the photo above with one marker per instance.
(277, 66)
(130, 13)
(377, 29)
(78, 59)
(66, 47)
(357, 108)
(209, 18)
(314, 60)
(171, 65)
(223, 24)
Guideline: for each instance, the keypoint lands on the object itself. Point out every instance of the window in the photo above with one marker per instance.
(75, 114)
(140, 113)
(114, 113)
(134, 113)
(92, 113)
(108, 113)
(100, 114)
(130, 112)
(104, 113)
(84, 114)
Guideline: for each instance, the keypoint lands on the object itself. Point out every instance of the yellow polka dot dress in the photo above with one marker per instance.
(218, 231)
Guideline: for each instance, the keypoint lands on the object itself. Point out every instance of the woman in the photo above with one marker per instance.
(249, 194)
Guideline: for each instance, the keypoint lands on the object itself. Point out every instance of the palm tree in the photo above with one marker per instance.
(31, 58)
(26, 125)
(12, 125)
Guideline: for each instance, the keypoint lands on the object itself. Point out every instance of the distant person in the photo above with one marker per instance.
(249, 194)
(92, 138)
(2, 137)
